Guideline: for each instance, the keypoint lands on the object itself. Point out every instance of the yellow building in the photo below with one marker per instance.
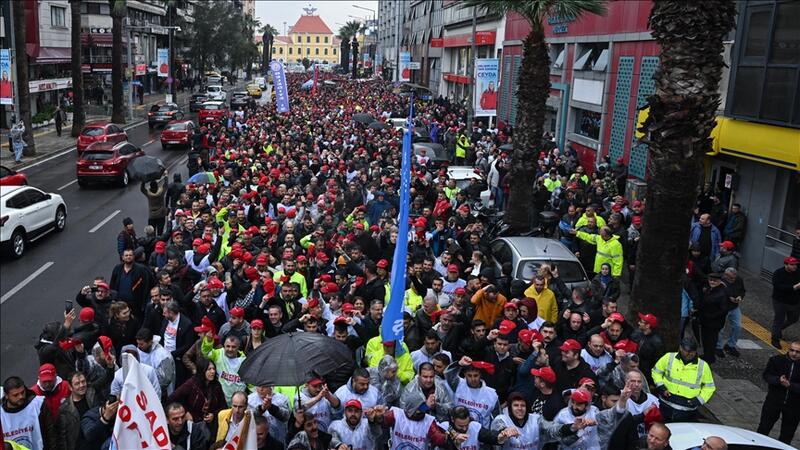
(309, 38)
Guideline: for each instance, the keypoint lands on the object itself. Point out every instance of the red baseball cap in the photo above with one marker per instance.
(382, 264)
(637, 220)
(313, 303)
(627, 345)
(510, 305)
(790, 260)
(545, 373)
(47, 372)
(353, 403)
(570, 344)
(314, 382)
(257, 324)
(727, 245)
(215, 283)
(586, 380)
(649, 319)
(506, 327)
(581, 396)
(485, 366)
(161, 247)
(86, 315)
(617, 317)
(237, 312)
(452, 268)
(196, 242)
(347, 307)
(526, 336)
(460, 291)
(329, 288)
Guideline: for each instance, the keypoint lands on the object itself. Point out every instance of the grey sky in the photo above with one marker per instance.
(277, 12)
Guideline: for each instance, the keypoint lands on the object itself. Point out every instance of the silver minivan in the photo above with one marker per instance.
(527, 254)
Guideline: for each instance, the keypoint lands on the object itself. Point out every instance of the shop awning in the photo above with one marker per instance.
(768, 144)
(54, 55)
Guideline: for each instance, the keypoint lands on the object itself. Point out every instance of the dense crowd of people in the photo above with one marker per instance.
(295, 230)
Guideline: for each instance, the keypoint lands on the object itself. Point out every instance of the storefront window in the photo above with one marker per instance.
(587, 123)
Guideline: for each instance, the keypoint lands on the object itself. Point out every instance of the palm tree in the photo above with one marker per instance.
(119, 9)
(346, 32)
(681, 117)
(532, 91)
(23, 89)
(78, 114)
(268, 32)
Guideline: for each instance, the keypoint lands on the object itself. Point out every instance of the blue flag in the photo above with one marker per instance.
(279, 84)
(392, 324)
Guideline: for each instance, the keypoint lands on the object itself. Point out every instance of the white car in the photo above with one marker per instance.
(261, 82)
(690, 435)
(215, 92)
(26, 214)
(462, 175)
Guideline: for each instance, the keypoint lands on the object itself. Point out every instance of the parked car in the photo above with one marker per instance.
(100, 131)
(462, 175)
(162, 113)
(240, 100)
(196, 100)
(435, 152)
(213, 77)
(177, 132)
(211, 111)
(10, 177)
(686, 436)
(215, 92)
(261, 82)
(107, 162)
(527, 254)
(27, 214)
(254, 90)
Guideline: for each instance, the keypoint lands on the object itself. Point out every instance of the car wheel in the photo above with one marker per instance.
(82, 183)
(124, 180)
(61, 219)
(18, 243)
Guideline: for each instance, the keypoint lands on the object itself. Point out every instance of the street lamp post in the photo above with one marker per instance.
(132, 67)
(374, 23)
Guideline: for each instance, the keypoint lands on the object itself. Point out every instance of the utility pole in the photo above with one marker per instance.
(132, 68)
(398, 17)
(471, 74)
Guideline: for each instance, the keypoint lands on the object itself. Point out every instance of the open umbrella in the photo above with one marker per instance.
(202, 178)
(363, 118)
(378, 126)
(292, 359)
(146, 168)
(507, 148)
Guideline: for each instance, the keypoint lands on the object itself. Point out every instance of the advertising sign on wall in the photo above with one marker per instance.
(163, 62)
(486, 73)
(6, 89)
(405, 62)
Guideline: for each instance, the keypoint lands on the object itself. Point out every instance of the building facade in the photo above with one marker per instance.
(391, 30)
(310, 37)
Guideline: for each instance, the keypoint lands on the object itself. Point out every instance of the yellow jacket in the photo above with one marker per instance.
(405, 367)
(462, 144)
(485, 310)
(608, 251)
(223, 421)
(545, 303)
(296, 277)
(584, 220)
(693, 380)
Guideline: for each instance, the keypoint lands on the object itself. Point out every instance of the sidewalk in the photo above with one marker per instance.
(48, 143)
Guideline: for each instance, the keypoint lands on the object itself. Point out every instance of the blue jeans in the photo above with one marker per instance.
(735, 321)
(18, 148)
(498, 198)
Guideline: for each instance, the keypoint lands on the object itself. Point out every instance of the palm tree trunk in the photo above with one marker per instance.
(531, 99)
(78, 113)
(23, 87)
(682, 115)
(118, 112)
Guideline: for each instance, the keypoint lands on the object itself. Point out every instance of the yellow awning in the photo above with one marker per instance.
(768, 144)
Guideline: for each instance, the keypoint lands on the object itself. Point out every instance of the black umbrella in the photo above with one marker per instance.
(378, 126)
(507, 147)
(146, 168)
(292, 359)
(363, 118)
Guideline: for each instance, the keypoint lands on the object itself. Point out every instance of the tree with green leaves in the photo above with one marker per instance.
(533, 89)
(78, 112)
(306, 63)
(346, 32)
(677, 131)
(119, 9)
(268, 33)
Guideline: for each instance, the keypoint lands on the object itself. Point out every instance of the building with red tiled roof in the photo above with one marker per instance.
(310, 37)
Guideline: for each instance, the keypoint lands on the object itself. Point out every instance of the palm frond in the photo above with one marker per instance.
(535, 11)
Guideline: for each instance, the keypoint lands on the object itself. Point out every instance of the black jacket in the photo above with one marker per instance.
(715, 306)
(94, 432)
(651, 349)
(568, 379)
(781, 365)
(141, 283)
(782, 286)
(184, 338)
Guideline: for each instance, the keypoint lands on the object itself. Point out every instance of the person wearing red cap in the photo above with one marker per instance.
(597, 426)
(471, 391)
(613, 329)
(52, 387)
(25, 417)
(727, 257)
(785, 298)
(289, 266)
(571, 368)
(651, 345)
(236, 326)
(532, 430)
(319, 401)
(354, 431)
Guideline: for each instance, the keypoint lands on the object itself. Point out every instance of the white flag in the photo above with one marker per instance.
(245, 436)
(141, 422)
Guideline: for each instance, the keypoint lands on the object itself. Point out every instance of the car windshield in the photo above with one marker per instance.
(210, 107)
(212, 89)
(97, 156)
(95, 131)
(175, 127)
(568, 271)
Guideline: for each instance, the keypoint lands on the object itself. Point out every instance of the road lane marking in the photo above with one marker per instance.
(169, 167)
(68, 184)
(760, 332)
(97, 227)
(148, 142)
(25, 282)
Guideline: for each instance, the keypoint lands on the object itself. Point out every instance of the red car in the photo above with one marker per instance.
(177, 132)
(9, 177)
(100, 131)
(212, 111)
(106, 161)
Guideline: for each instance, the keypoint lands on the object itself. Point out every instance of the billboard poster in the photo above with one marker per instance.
(378, 62)
(6, 88)
(163, 62)
(279, 84)
(405, 69)
(486, 73)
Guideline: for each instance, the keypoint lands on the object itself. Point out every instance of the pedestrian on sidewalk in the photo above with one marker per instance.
(785, 298)
(782, 375)
(683, 383)
(734, 285)
(17, 140)
(59, 119)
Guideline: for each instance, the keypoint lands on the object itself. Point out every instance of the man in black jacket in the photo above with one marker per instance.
(132, 281)
(651, 346)
(183, 433)
(572, 367)
(713, 311)
(782, 375)
(177, 336)
(785, 298)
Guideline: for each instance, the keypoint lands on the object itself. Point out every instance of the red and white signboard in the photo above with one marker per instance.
(141, 422)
